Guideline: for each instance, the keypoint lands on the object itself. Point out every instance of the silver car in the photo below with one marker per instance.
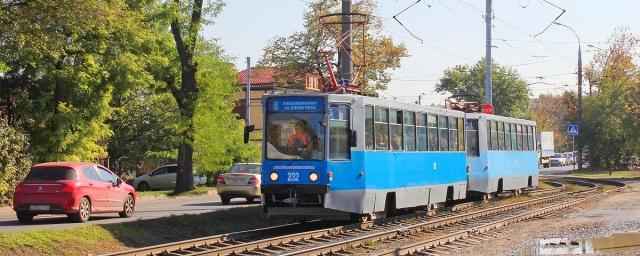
(163, 177)
(242, 180)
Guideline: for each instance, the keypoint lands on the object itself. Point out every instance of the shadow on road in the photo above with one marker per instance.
(220, 204)
(50, 220)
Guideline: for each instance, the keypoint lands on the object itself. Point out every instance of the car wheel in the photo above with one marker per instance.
(250, 199)
(24, 218)
(225, 200)
(143, 186)
(127, 208)
(84, 211)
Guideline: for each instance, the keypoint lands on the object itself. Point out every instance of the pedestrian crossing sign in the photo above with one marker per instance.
(573, 129)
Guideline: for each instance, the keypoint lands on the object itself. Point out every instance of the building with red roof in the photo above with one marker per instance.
(270, 80)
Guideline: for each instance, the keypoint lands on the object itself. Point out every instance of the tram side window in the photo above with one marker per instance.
(453, 134)
(460, 134)
(444, 133)
(381, 128)
(501, 135)
(489, 142)
(514, 138)
(533, 138)
(507, 136)
(472, 138)
(395, 129)
(530, 135)
(519, 131)
(432, 123)
(494, 135)
(339, 148)
(525, 137)
(421, 122)
(409, 131)
(368, 127)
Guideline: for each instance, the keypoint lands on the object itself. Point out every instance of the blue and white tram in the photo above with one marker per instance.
(504, 156)
(332, 156)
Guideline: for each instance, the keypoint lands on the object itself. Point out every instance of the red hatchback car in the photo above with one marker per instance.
(74, 189)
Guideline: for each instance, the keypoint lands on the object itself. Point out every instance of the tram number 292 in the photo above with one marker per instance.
(293, 176)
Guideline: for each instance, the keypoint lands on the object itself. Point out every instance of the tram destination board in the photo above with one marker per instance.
(296, 104)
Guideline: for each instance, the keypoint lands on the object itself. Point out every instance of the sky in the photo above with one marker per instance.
(450, 32)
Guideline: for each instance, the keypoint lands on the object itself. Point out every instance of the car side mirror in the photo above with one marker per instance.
(118, 182)
(353, 138)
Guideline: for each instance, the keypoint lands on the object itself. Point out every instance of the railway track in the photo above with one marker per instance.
(459, 223)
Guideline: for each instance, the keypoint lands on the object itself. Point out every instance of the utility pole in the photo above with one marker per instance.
(488, 86)
(346, 65)
(579, 103)
(579, 91)
(247, 95)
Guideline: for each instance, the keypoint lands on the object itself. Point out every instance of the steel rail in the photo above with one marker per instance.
(231, 243)
(557, 187)
(388, 234)
(216, 240)
(420, 246)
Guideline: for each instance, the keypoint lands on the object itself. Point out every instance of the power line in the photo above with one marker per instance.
(461, 17)
(519, 30)
(554, 20)
(395, 17)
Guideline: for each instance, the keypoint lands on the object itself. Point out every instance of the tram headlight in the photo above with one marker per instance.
(313, 177)
(274, 176)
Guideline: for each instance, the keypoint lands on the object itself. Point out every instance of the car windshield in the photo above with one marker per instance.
(51, 173)
(293, 136)
(246, 168)
(557, 156)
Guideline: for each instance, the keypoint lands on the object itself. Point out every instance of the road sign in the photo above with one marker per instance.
(487, 108)
(573, 129)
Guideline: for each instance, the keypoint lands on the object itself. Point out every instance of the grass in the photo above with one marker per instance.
(169, 193)
(599, 173)
(98, 239)
(543, 185)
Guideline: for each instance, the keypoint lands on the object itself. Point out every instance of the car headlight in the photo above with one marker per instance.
(273, 176)
(313, 177)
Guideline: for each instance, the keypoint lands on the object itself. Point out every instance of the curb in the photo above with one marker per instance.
(161, 197)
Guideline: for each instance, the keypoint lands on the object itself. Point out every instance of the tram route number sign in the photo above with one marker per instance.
(573, 129)
(296, 104)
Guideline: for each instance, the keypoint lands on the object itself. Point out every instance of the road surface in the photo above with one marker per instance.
(154, 208)
(147, 208)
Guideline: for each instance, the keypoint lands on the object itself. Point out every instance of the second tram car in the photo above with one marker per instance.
(337, 156)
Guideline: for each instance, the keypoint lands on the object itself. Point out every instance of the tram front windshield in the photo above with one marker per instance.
(295, 136)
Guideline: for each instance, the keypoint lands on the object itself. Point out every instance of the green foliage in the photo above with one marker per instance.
(65, 61)
(218, 134)
(612, 112)
(14, 161)
(554, 113)
(299, 53)
(510, 92)
(145, 131)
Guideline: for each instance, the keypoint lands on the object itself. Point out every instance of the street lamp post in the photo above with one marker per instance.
(579, 90)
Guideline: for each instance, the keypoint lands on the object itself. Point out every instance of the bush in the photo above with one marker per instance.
(14, 161)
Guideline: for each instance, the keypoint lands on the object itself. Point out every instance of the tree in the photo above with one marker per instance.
(299, 53)
(510, 92)
(14, 161)
(217, 131)
(144, 131)
(186, 19)
(612, 111)
(554, 113)
(63, 63)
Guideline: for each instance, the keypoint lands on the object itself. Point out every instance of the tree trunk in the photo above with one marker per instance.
(184, 177)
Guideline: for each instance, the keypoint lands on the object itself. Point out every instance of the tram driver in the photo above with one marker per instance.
(299, 140)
